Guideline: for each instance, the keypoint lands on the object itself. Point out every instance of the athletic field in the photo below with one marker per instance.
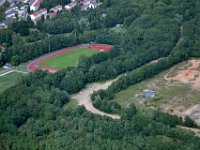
(9, 80)
(68, 59)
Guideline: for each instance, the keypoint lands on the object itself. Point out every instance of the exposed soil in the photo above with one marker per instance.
(83, 98)
(189, 75)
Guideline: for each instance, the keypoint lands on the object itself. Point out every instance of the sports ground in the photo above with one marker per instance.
(66, 57)
(9, 79)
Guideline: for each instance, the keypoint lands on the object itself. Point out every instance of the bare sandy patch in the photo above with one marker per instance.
(189, 75)
(83, 98)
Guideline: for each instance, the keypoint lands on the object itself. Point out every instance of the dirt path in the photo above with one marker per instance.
(195, 130)
(83, 98)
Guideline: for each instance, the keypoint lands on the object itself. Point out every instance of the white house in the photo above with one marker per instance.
(10, 9)
(11, 14)
(3, 25)
(93, 5)
(70, 5)
(37, 16)
(36, 5)
(86, 2)
(56, 8)
(2, 2)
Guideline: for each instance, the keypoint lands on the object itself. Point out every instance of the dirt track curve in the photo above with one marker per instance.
(83, 98)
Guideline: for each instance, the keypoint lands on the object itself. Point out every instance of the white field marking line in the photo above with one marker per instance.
(6, 73)
(20, 71)
(12, 71)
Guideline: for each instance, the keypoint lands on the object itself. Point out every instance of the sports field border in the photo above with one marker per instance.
(34, 64)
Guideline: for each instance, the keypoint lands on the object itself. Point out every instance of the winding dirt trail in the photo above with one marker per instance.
(83, 98)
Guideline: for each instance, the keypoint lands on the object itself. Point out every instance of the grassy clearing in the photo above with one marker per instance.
(72, 104)
(166, 92)
(22, 67)
(9, 80)
(68, 59)
(1, 68)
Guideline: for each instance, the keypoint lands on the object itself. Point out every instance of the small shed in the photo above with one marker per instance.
(149, 93)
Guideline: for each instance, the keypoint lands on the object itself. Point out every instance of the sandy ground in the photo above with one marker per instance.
(83, 98)
(187, 74)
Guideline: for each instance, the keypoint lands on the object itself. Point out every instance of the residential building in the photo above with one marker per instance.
(11, 8)
(11, 14)
(86, 4)
(84, 7)
(56, 8)
(51, 15)
(93, 5)
(36, 5)
(2, 2)
(37, 16)
(70, 5)
(3, 25)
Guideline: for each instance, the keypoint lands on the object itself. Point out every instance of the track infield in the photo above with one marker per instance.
(68, 59)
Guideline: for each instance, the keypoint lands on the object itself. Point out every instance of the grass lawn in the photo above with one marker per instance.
(1, 69)
(9, 80)
(68, 59)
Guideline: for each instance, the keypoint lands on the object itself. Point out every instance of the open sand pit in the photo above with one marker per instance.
(189, 75)
(177, 109)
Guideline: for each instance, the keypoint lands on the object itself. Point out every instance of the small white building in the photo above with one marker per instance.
(56, 8)
(93, 5)
(70, 5)
(12, 14)
(86, 4)
(2, 2)
(3, 25)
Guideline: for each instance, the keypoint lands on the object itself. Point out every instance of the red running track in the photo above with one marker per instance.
(34, 65)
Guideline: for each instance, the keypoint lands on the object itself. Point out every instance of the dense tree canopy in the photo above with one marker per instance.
(31, 112)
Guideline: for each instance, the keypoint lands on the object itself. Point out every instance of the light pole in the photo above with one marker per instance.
(49, 44)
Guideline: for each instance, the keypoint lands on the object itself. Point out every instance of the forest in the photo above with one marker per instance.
(31, 112)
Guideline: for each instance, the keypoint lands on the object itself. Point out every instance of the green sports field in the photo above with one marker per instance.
(68, 59)
(9, 80)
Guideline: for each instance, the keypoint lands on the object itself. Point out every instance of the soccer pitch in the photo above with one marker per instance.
(68, 59)
(9, 80)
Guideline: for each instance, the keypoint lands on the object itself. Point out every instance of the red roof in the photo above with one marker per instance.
(94, 3)
(53, 14)
(37, 3)
(39, 12)
(86, 2)
(57, 7)
(72, 4)
(84, 7)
